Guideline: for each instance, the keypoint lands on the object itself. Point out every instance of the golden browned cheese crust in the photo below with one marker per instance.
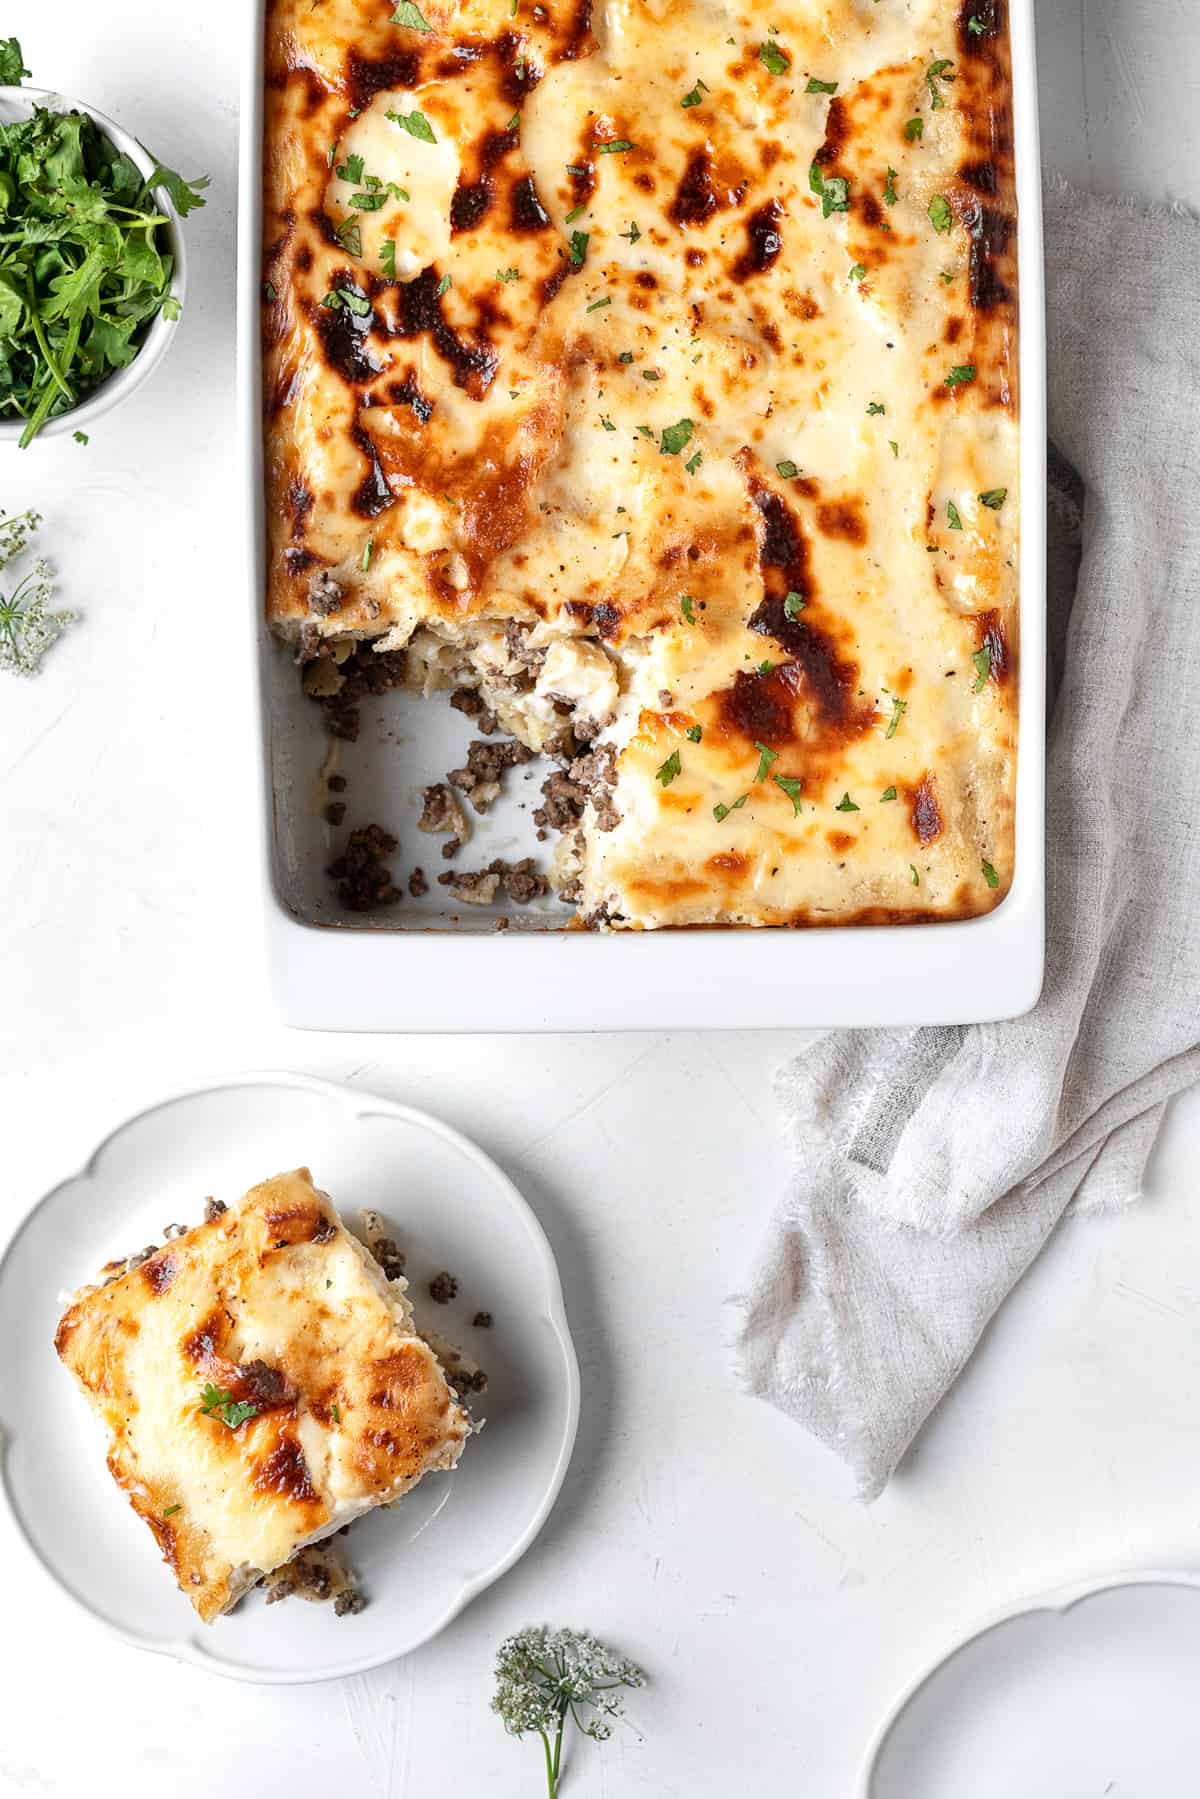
(276, 1306)
(684, 341)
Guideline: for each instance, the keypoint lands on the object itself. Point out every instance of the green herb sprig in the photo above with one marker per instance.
(27, 625)
(216, 1402)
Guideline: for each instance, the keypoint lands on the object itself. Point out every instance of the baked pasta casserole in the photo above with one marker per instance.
(645, 371)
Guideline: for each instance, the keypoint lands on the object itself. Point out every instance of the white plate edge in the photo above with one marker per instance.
(1060, 1600)
(362, 1103)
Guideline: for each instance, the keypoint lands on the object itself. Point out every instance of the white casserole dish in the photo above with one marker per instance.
(431, 966)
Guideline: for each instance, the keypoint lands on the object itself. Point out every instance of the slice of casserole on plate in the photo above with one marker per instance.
(262, 1383)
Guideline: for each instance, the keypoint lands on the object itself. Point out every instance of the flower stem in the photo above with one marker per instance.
(551, 1782)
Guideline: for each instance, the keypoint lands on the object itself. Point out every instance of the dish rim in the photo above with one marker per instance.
(1060, 1600)
(157, 341)
(361, 1102)
(346, 977)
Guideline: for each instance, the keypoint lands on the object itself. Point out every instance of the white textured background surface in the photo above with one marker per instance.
(698, 1530)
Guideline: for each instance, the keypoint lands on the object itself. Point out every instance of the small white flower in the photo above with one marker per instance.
(27, 625)
(544, 1676)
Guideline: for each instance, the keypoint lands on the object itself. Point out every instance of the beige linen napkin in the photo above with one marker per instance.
(930, 1166)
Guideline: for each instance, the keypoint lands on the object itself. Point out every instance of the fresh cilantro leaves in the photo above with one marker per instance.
(765, 758)
(415, 123)
(995, 498)
(791, 785)
(676, 437)
(411, 17)
(961, 374)
(820, 87)
(989, 874)
(982, 661)
(793, 604)
(846, 804)
(940, 215)
(833, 190)
(85, 258)
(773, 59)
(12, 63)
(215, 1402)
(669, 769)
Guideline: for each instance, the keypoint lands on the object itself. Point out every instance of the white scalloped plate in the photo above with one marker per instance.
(1087, 1692)
(454, 1534)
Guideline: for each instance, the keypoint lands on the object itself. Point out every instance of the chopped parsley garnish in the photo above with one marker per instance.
(894, 447)
(953, 514)
(340, 299)
(889, 188)
(651, 375)
(365, 561)
(989, 874)
(846, 804)
(764, 668)
(889, 793)
(597, 304)
(625, 356)
(791, 785)
(170, 1510)
(335, 1412)
(858, 271)
(940, 215)
(960, 374)
(874, 409)
(444, 285)
(773, 59)
(915, 128)
(899, 708)
(820, 87)
(411, 17)
(508, 274)
(352, 169)
(579, 244)
(216, 1402)
(936, 71)
(269, 292)
(387, 256)
(694, 733)
(687, 605)
(976, 26)
(612, 146)
(607, 423)
(670, 768)
(693, 463)
(415, 123)
(788, 469)
(574, 213)
(982, 660)
(632, 234)
(81, 437)
(720, 812)
(916, 879)
(765, 759)
(834, 191)
(793, 604)
(694, 95)
(513, 122)
(350, 237)
(995, 498)
(676, 437)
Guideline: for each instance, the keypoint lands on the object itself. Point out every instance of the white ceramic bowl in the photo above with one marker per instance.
(18, 103)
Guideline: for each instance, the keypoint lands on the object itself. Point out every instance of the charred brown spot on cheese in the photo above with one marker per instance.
(476, 188)
(343, 337)
(284, 1472)
(843, 519)
(366, 77)
(924, 812)
(704, 190)
(299, 502)
(408, 393)
(954, 329)
(837, 133)
(526, 212)
(473, 361)
(373, 494)
(990, 635)
(607, 620)
(840, 841)
(990, 233)
(263, 1387)
(160, 1271)
(398, 1376)
(297, 1224)
(577, 39)
(760, 707)
(68, 1324)
(729, 862)
(201, 1347)
(764, 242)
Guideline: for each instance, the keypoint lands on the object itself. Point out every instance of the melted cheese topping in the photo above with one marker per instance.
(699, 354)
(275, 1304)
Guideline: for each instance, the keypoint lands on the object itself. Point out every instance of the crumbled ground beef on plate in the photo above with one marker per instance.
(485, 765)
(443, 1288)
(417, 883)
(482, 1321)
